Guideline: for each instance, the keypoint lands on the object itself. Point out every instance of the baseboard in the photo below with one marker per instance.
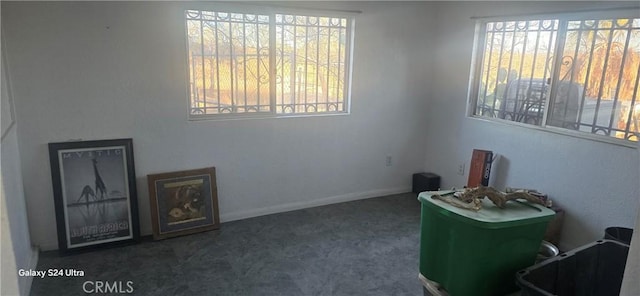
(310, 204)
(24, 282)
(48, 247)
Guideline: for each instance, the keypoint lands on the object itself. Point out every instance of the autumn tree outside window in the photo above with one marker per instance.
(275, 64)
(573, 73)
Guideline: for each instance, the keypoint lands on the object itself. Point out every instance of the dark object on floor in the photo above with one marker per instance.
(425, 182)
(595, 269)
(620, 234)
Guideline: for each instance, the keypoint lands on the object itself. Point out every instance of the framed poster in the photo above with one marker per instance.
(183, 202)
(94, 188)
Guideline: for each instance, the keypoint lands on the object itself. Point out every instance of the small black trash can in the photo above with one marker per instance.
(425, 182)
(620, 234)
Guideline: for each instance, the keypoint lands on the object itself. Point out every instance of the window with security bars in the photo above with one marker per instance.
(282, 64)
(571, 73)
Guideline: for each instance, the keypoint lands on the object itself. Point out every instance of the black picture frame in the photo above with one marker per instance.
(94, 190)
(183, 202)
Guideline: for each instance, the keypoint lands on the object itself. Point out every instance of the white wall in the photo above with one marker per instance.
(115, 70)
(16, 249)
(597, 183)
(8, 274)
(630, 283)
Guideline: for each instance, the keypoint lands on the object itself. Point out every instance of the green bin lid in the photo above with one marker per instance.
(514, 213)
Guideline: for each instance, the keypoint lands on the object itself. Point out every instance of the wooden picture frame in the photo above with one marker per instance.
(94, 189)
(183, 202)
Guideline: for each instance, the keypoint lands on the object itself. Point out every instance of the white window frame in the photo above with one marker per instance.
(477, 61)
(271, 12)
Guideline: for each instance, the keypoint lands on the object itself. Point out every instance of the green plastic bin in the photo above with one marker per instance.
(479, 253)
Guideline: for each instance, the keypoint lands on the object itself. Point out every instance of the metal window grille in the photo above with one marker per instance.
(311, 63)
(266, 63)
(591, 86)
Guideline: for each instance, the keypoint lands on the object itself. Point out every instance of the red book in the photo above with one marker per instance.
(480, 168)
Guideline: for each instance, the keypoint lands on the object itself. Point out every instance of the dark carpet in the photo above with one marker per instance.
(365, 247)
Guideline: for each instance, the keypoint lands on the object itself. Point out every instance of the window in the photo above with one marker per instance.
(267, 64)
(562, 73)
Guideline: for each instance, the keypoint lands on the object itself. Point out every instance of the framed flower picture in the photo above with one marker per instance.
(183, 202)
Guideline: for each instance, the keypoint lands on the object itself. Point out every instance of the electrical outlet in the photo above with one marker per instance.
(388, 160)
(461, 169)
